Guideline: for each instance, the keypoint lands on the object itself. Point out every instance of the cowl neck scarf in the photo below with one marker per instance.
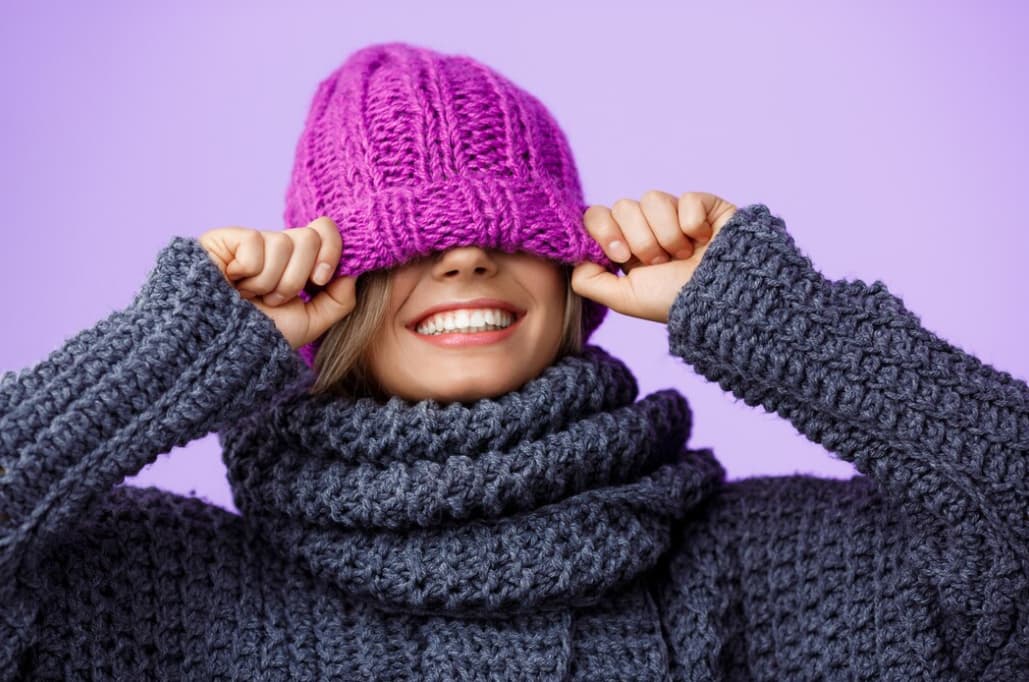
(542, 498)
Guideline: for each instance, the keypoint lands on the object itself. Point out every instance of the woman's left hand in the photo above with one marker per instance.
(662, 241)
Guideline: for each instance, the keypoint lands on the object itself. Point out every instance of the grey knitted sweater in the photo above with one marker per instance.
(562, 531)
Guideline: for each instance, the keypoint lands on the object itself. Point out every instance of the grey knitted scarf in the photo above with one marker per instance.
(542, 498)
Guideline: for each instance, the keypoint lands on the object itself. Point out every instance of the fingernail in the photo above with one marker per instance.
(274, 298)
(322, 273)
(684, 254)
(659, 259)
(619, 250)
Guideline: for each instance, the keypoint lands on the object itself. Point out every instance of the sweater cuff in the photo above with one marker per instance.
(734, 320)
(187, 356)
(247, 361)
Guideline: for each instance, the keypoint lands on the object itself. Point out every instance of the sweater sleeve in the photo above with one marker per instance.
(186, 357)
(943, 436)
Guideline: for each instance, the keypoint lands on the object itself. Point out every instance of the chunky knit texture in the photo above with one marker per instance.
(543, 498)
(410, 150)
(561, 531)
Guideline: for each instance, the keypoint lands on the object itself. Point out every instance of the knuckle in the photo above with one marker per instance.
(279, 240)
(323, 221)
(623, 206)
(326, 228)
(304, 234)
(654, 196)
(251, 235)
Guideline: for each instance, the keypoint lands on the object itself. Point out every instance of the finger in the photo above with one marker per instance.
(595, 282)
(242, 251)
(637, 231)
(331, 304)
(693, 211)
(277, 249)
(605, 231)
(661, 211)
(330, 251)
(306, 244)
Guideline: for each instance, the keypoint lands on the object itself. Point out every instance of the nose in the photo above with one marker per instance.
(464, 261)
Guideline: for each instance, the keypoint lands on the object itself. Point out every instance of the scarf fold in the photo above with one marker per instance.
(543, 498)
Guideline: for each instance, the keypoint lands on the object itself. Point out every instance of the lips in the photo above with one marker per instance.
(470, 304)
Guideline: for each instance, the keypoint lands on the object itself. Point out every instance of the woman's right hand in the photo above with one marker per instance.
(269, 268)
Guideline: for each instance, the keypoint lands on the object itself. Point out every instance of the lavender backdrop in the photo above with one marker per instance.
(890, 136)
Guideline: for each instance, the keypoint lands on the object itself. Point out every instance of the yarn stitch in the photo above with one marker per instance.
(562, 531)
(438, 509)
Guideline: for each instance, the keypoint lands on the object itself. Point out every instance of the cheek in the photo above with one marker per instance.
(549, 288)
(401, 285)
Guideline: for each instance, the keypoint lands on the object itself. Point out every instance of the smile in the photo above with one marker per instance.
(452, 339)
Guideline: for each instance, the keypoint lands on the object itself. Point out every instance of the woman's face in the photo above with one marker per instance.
(455, 363)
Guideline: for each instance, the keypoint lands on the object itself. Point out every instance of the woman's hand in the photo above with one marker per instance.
(269, 268)
(658, 240)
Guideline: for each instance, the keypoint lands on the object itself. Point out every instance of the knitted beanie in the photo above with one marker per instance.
(411, 151)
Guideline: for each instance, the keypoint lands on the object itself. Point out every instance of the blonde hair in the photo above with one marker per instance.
(341, 363)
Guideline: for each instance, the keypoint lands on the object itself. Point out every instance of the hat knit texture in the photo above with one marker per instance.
(412, 151)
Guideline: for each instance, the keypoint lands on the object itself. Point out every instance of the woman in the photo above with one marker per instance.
(480, 495)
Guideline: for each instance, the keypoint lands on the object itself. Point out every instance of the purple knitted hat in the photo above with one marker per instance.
(411, 151)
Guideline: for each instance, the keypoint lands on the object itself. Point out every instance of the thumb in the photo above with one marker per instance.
(331, 304)
(596, 283)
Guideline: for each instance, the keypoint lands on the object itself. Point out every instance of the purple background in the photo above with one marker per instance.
(891, 137)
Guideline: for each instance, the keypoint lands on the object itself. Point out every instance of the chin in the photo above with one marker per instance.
(473, 387)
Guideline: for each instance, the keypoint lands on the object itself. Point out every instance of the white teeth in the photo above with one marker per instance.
(466, 320)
